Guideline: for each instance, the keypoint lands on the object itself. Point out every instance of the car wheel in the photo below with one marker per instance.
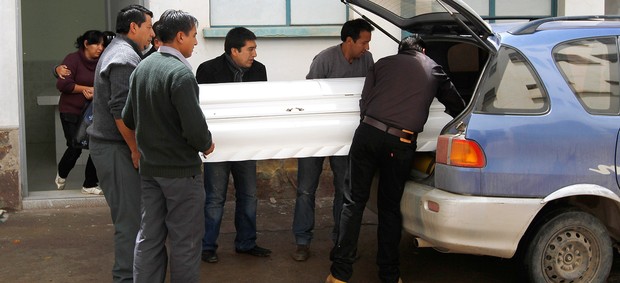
(569, 246)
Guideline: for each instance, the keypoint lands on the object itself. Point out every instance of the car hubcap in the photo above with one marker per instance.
(567, 257)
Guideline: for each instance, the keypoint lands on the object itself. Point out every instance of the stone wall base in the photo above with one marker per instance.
(10, 190)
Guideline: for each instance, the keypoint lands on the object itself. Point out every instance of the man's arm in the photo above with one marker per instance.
(130, 138)
(318, 68)
(119, 89)
(194, 127)
(447, 93)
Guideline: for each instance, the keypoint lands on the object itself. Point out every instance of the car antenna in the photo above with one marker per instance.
(370, 21)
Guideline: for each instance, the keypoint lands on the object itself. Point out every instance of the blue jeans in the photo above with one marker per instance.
(216, 186)
(308, 176)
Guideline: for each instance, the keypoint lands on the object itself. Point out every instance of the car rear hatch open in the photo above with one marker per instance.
(430, 17)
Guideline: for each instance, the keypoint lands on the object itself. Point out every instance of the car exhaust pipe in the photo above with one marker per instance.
(420, 243)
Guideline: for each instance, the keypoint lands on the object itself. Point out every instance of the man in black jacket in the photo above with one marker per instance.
(396, 98)
(237, 64)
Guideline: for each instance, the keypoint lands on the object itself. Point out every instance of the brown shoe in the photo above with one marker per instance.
(302, 253)
(332, 279)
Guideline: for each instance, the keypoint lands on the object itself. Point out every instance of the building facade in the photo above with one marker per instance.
(38, 34)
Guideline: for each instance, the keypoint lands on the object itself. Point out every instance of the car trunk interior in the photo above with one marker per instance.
(462, 61)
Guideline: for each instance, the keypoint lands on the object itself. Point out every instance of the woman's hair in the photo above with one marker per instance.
(91, 37)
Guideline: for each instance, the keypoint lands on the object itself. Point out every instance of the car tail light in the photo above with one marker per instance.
(458, 151)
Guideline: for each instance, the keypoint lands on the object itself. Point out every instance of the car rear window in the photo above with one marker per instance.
(511, 86)
(590, 67)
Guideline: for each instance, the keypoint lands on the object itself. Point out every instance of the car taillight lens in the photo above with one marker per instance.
(458, 151)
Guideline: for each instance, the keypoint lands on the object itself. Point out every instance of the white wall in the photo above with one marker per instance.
(9, 80)
(285, 58)
(580, 7)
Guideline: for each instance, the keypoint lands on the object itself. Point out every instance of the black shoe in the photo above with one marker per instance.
(256, 251)
(210, 256)
(302, 253)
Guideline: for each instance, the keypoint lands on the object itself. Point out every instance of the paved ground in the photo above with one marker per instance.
(75, 245)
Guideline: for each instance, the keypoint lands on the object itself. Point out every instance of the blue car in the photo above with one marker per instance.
(530, 168)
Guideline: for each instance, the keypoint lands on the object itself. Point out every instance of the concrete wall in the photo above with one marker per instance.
(285, 58)
(10, 188)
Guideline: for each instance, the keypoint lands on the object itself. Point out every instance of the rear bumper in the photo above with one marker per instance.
(467, 224)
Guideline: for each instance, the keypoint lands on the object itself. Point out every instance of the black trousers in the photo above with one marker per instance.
(70, 123)
(373, 150)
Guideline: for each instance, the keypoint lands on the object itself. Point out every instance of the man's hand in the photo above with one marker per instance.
(62, 71)
(208, 151)
(135, 158)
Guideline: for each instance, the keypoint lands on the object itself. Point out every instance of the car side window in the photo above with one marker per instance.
(590, 67)
(511, 86)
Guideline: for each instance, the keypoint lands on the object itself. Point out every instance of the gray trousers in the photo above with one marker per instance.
(120, 183)
(172, 208)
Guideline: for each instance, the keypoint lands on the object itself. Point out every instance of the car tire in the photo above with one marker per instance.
(569, 246)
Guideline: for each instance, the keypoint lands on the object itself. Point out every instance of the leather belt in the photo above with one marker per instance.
(404, 135)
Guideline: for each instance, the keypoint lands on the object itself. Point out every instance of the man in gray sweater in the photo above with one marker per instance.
(163, 108)
(112, 145)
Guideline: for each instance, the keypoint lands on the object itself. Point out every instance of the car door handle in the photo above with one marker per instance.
(295, 108)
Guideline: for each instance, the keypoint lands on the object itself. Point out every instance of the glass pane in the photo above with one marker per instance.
(591, 69)
(410, 8)
(523, 8)
(480, 6)
(304, 12)
(511, 86)
(248, 12)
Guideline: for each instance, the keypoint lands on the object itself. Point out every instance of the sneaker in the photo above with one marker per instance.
(302, 253)
(60, 182)
(93, 191)
(209, 256)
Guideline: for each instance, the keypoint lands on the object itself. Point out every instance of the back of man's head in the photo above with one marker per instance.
(412, 42)
(236, 38)
(172, 22)
(353, 28)
(131, 14)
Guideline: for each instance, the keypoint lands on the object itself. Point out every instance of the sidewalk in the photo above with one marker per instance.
(75, 245)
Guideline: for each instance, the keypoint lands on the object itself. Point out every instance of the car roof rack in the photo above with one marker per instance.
(532, 26)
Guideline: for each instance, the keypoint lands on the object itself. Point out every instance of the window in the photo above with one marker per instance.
(590, 67)
(276, 12)
(511, 86)
(501, 8)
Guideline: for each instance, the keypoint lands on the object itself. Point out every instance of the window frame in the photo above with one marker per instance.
(565, 77)
(483, 86)
(286, 30)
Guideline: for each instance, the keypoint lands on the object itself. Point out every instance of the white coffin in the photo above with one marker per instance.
(291, 119)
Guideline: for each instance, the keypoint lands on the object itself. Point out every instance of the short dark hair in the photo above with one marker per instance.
(173, 21)
(412, 42)
(236, 38)
(90, 36)
(107, 37)
(131, 14)
(353, 28)
(155, 27)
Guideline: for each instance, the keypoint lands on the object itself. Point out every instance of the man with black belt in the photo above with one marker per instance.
(395, 102)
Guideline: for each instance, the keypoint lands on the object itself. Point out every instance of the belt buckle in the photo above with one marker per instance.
(406, 132)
